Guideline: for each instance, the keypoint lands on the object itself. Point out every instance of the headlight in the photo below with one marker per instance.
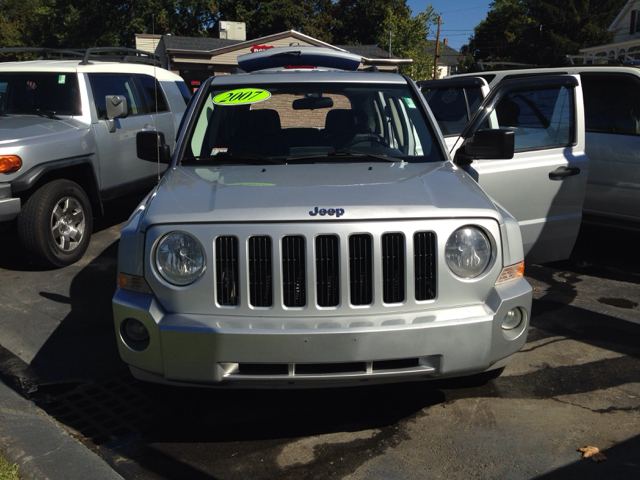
(180, 259)
(468, 252)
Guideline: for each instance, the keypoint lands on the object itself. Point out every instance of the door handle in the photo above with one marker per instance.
(563, 172)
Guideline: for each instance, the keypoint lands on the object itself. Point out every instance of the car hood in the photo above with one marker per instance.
(21, 128)
(363, 191)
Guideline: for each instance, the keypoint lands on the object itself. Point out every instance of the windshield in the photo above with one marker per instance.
(33, 93)
(311, 122)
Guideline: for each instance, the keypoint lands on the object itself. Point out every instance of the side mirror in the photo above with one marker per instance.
(494, 144)
(117, 107)
(151, 146)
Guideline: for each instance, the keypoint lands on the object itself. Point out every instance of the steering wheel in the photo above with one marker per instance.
(367, 137)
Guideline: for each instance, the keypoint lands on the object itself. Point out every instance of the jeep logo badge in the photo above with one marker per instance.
(338, 212)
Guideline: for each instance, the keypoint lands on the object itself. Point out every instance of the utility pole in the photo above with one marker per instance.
(435, 63)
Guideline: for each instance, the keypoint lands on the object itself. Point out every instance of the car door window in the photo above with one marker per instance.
(540, 118)
(153, 94)
(611, 103)
(103, 85)
(453, 107)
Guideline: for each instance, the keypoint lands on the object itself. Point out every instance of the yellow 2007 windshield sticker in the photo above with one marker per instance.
(242, 96)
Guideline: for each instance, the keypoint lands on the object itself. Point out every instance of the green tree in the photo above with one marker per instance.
(86, 23)
(541, 31)
(363, 22)
(566, 27)
(311, 17)
(409, 40)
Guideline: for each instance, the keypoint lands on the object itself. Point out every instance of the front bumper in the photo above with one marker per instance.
(9, 207)
(255, 351)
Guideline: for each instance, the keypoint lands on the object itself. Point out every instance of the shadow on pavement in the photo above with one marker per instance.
(623, 461)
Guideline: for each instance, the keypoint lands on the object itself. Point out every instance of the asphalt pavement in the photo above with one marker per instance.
(70, 409)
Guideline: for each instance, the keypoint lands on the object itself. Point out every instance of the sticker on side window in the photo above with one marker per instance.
(242, 96)
(409, 102)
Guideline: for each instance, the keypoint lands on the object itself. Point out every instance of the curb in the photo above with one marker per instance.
(41, 448)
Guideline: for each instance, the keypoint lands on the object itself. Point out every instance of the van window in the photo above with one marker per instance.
(611, 103)
(540, 118)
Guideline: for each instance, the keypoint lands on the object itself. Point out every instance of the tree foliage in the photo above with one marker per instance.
(88, 23)
(541, 31)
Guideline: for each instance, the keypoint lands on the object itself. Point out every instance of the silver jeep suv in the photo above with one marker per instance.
(67, 141)
(312, 230)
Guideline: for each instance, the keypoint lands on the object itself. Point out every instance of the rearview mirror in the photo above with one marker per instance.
(312, 103)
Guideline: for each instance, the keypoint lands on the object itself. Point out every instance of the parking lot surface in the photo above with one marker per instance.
(576, 383)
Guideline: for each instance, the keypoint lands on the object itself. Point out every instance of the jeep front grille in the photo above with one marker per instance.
(294, 274)
(227, 271)
(424, 257)
(360, 270)
(260, 276)
(289, 255)
(327, 270)
(393, 268)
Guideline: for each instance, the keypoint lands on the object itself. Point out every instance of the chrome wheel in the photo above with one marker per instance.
(67, 224)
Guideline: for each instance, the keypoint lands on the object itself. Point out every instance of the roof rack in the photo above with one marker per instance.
(97, 54)
(483, 66)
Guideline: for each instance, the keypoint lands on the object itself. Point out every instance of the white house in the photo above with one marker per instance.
(626, 37)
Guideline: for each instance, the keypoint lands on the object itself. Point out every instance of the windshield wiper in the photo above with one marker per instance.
(344, 153)
(32, 111)
(231, 159)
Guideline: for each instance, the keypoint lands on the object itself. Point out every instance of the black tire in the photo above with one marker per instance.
(55, 224)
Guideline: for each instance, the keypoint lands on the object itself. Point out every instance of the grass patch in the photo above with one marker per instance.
(8, 471)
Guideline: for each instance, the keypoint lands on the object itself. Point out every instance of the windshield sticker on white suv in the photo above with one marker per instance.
(242, 96)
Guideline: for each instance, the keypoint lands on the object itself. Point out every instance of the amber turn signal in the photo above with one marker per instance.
(10, 163)
(511, 272)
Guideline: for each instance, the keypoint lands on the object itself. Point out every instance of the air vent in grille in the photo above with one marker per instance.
(327, 270)
(424, 247)
(393, 279)
(227, 271)
(360, 270)
(260, 276)
(294, 280)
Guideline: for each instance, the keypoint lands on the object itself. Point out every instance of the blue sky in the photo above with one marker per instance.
(458, 17)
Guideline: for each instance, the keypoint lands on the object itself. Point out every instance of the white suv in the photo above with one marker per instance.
(611, 95)
(68, 127)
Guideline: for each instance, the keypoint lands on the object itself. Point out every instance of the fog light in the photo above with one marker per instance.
(135, 330)
(512, 319)
(134, 334)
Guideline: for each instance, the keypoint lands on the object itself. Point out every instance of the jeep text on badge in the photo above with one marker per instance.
(338, 212)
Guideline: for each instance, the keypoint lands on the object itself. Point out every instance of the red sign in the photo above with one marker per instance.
(195, 83)
(260, 48)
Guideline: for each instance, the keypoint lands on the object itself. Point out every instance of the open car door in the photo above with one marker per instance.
(453, 102)
(543, 184)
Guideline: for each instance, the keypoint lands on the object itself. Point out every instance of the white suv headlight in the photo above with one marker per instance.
(180, 259)
(468, 252)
